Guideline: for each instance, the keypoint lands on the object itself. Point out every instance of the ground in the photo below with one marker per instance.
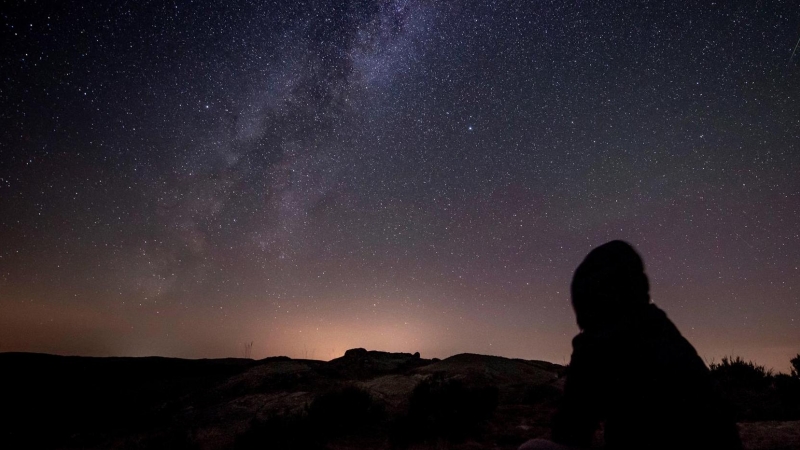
(362, 400)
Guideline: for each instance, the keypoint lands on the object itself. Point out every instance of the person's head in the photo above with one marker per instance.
(608, 284)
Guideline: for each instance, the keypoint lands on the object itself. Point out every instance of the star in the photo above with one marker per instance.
(337, 146)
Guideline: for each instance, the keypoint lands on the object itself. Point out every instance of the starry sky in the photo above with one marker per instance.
(179, 178)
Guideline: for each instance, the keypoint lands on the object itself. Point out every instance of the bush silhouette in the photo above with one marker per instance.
(447, 409)
(281, 432)
(755, 393)
(342, 411)
(736, 372)
(540, 393)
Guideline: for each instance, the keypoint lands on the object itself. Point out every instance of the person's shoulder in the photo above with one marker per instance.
(654, 311)
(582, 340)
(673, 342)
(588, 343)
(656, 318)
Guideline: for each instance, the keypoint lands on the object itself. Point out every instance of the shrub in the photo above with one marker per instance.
(281, 432)
(447, 409)
(755, 393)
(736, 372)
(540, 393)
(342, 411)
(787, 389)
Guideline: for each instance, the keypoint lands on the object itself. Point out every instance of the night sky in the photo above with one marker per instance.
(178, 178)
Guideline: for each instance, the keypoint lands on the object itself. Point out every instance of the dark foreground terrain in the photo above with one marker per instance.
(362, 400)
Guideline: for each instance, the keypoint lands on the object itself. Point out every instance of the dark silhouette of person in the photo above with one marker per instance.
(631, 369)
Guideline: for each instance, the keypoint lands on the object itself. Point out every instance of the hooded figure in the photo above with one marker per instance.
(631, 369)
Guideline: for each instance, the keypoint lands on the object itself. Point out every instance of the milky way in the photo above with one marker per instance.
(178, 178)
